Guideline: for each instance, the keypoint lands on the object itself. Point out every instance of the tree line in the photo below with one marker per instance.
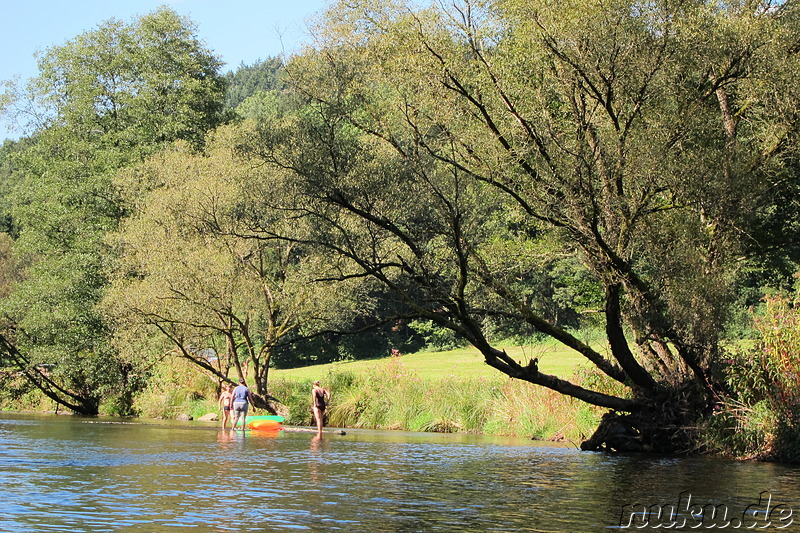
(471, 172)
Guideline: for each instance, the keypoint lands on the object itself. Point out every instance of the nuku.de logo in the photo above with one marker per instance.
(685, 513)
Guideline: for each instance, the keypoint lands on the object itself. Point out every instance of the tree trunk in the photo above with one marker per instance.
(75, 402)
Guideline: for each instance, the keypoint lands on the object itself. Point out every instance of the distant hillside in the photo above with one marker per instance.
(247, 80)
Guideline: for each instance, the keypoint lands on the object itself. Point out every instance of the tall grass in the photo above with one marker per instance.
(177, 389)
(389, 395)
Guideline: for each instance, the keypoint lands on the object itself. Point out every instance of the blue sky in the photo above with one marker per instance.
(240, 31)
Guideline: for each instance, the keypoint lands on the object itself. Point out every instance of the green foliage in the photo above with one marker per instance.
(560, 289)
(14, 388)
(509, 168)
(191, 270)
(770, 371)
(174, 388)
(436, 337)
(110, 96)
(8, 179)
(514, 170)
(761, 415)
(260, 105)
(129, 88)
(9, 269)
(249, 80)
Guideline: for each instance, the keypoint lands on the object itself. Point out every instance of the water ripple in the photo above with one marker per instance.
(60, 474)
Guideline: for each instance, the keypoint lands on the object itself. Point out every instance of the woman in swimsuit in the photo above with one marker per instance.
(226, 404)
(319, 401)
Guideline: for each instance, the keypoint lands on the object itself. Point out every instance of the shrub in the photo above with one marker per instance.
(760, 415)
(436, 337)
(175, 388)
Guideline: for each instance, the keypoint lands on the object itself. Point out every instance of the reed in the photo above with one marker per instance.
(389, 395)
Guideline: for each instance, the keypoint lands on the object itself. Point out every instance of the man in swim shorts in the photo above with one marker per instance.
(241, 401)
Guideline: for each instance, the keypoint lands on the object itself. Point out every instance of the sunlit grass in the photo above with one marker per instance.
(465, 362)
(452, 391)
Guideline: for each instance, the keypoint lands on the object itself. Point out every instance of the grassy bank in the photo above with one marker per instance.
(452, 391)
(455, 391)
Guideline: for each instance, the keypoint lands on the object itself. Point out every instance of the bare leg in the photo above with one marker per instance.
(318, 417)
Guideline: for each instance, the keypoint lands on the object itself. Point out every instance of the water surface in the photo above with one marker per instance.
(69, 474)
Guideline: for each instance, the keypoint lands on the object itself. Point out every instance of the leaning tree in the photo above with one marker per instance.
(440, 150)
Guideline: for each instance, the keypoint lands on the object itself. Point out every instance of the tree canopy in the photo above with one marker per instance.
(109, 97)
(189, 269)
(490, 167)
(248, 80)
(436, 149)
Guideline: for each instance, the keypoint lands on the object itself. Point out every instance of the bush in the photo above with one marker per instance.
(436, 338)
(176, 388)
(760, 415)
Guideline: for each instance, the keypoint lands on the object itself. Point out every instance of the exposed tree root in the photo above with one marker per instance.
(662, 425)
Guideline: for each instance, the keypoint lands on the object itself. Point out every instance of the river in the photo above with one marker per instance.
(71, 474)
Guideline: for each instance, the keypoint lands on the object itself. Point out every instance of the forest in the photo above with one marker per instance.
(478, 172)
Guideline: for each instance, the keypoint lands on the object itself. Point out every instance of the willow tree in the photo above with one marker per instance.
(439, 150)
(188, 272)
(107, 98)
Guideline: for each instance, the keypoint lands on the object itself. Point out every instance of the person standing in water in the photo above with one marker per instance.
(242, 398)
(226, 404)
(319, 401)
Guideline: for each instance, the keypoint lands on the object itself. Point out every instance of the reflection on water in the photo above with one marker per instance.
(69, 474)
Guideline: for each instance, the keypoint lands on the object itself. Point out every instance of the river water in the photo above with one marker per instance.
(70, 474)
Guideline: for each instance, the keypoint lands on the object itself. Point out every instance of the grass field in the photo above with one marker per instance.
(464, 362)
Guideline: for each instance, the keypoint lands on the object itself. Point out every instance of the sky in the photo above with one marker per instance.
(239, 31)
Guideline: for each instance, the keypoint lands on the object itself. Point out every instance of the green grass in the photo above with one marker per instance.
(452, 391)
(463, 363)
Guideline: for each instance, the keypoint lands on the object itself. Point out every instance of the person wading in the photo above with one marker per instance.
(241, 401)
(226, 404)
(319, 402)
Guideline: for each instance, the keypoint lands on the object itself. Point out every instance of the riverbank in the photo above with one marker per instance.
(393, 396)
(455, 391)
(449, 392)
